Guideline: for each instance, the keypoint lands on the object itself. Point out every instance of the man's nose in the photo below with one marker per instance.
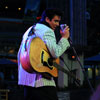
(57, 24)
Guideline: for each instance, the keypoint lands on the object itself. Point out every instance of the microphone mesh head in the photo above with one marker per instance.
(62, 26)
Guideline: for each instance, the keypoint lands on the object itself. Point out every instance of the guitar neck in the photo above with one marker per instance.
(66, 72)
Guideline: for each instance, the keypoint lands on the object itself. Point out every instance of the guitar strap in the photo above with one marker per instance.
(32, 30)
(29, 34)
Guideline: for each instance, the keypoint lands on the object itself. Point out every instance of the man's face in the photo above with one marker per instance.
(54, 22)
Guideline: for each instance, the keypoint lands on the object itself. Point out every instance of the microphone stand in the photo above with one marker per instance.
(70, 41)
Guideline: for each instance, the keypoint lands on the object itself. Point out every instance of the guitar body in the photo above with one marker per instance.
(39, 54)
(36, 58)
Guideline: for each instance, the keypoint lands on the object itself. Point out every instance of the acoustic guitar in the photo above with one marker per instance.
(39, 60)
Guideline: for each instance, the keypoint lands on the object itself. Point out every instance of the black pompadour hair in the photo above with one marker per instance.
(50, 13)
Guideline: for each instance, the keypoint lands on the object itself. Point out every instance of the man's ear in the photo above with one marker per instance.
(47, 20)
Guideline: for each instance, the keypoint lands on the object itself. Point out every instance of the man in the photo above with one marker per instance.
(36, 86)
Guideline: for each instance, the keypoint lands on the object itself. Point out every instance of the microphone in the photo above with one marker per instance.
(62, 27)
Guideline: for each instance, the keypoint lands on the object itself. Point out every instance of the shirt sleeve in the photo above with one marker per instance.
(55, 49)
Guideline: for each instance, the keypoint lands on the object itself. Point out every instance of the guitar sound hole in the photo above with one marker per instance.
(50, 61)
(46, 64)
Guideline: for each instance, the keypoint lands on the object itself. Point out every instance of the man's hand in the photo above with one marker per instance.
(65, 33)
